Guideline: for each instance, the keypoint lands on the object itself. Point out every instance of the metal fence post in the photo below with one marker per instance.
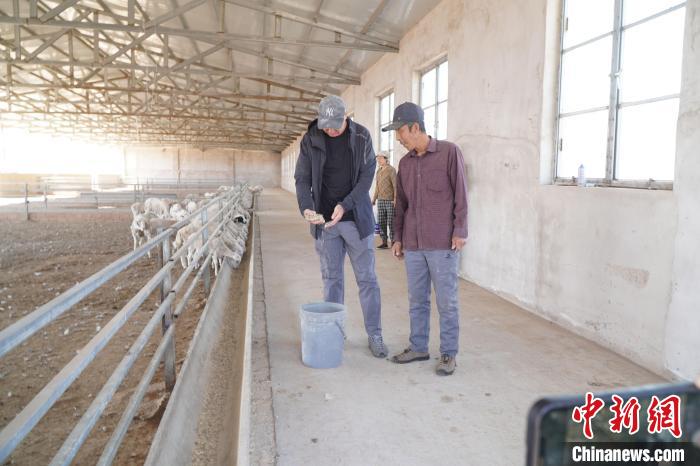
(205, 237)
(26, 200)
(170, 374)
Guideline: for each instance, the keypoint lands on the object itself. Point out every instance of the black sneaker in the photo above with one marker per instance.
(383, 246)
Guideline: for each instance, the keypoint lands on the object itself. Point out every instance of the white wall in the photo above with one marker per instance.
(683, 322)
(186, 163)
(288, 163)
(620, 266)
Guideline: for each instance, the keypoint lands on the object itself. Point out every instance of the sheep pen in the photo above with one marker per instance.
(41, 259)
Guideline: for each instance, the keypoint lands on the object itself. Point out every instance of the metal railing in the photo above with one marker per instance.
(55, 190)
(51, 185)
(166, 313)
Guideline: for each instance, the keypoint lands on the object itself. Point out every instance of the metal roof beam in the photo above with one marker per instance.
(58, 10)
(166, 116)
(277, 11)
(176, 12)
(206, 36)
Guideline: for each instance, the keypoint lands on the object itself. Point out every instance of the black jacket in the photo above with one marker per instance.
(309, 175)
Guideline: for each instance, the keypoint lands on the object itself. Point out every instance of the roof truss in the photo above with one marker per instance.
(107, 69)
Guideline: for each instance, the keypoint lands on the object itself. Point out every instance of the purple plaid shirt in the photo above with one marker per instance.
(431, 198)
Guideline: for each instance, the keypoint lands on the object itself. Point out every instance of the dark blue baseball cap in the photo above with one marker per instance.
(405, 114)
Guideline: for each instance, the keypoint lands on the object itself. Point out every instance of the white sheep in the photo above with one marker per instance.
(143, 229)
(221, 251)
(145, 226)
(136, 208)
(159, 207)
(177, 212)
(191, 206)
(182, 235)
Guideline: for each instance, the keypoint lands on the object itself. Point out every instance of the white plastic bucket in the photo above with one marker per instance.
(322, 334)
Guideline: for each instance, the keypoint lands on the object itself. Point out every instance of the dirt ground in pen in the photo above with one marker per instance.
(39, 260)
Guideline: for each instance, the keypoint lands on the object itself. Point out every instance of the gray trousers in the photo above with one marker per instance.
(331, 248)
(440, 267)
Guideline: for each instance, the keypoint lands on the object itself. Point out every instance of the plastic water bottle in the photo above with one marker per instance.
(581, 180)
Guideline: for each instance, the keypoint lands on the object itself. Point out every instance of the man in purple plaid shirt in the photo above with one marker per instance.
(430, 228)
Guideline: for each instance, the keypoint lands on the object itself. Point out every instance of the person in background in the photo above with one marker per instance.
(385, 199)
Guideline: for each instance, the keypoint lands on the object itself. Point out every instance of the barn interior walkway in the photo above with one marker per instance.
(370, 411)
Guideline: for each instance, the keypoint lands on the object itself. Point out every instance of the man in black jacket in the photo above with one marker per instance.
(333, 176)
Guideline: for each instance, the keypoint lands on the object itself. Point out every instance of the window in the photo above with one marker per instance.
(433, 100)
(619, 90)
(386, 113)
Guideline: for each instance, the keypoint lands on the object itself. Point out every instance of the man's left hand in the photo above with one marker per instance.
(458, 243)
(338, 213)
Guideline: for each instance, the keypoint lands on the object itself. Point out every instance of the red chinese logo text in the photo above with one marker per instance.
(587, 412)
(665, 415)
(661, 415)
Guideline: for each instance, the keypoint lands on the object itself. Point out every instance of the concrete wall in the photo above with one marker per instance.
(186, 163)
(288, 162)
(620, 266)
(682, 347)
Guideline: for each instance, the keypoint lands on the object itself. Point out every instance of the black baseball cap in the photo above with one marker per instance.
(404, 114)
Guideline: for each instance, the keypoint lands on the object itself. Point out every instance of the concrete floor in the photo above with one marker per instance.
(370, 411)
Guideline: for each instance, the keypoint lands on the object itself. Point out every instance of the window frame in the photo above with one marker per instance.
(391, 135)
(434, 66)
(613, 105)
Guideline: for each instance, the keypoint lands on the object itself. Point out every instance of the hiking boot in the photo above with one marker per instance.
(446, 365)
(377, 346)
(409, 355)
(383, 246)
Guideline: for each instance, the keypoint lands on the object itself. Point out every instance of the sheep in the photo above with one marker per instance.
(136, 208)
(220, 252)
(240, 216)
(232, 241)
(177, 212)
(182, 235)
(191, 206)
(143, 228)
(159, 207)
(247, 200)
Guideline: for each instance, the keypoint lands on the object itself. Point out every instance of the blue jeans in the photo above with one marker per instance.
(440, 267)
(331, 248)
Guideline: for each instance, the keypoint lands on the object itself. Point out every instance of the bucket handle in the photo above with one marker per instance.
(342, 331)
